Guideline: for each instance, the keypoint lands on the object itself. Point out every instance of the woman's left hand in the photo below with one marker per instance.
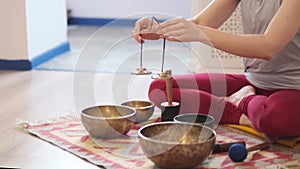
(180, 29)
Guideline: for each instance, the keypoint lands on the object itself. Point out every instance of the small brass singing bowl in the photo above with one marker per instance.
(176, 145)
(108, 121)
(144, 109)
(203, 119)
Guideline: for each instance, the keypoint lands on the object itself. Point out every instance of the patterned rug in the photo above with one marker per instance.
(125, 153)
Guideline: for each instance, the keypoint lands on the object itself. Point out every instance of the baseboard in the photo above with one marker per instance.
(102, 21)
(35, 61)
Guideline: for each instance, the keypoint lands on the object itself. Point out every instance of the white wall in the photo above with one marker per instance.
(46, 24)
(30, 27)
(120, 8)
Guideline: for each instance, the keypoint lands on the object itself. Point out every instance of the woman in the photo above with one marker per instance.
(267, 95)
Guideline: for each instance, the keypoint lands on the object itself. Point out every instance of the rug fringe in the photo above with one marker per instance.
(67, 117)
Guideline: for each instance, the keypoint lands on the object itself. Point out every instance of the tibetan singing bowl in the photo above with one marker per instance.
(203, 119)
(108, 121)
(144, 109)
(176, 145)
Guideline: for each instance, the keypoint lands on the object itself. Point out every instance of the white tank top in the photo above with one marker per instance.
(283, 70)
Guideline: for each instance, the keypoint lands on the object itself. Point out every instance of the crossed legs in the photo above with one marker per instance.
(230, 98)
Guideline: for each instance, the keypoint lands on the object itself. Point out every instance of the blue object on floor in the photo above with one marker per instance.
(237, 152)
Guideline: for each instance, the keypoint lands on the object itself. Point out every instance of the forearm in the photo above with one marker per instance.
(280, 31)
(251, 46)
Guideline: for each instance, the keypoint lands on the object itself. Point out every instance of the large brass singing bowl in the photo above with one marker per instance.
(144, 109)
(176, 145)
(108, 121)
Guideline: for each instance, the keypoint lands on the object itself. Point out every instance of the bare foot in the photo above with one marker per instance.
(236, 97)
(244, 120)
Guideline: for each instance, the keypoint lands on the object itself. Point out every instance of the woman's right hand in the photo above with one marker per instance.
(146, 28)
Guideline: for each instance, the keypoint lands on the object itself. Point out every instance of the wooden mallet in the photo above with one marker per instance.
(239, 152)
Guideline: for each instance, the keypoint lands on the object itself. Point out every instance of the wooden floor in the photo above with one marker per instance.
(38, 95)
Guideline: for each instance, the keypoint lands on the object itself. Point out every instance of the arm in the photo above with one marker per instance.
(281, 30)
(212, 16)
(216, 13)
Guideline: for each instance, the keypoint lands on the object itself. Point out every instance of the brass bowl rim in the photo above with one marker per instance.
(175, 143)
(109, 118)
(143, 107)
(194, 114)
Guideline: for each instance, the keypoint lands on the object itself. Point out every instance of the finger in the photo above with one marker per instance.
(172, 28)
(169, 31)
(172, 39)
(177, 36)
(137, 37)
(174, 33)
(171, 22)
(142, 23)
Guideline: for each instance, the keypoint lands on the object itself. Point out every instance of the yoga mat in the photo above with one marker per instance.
(292, 142)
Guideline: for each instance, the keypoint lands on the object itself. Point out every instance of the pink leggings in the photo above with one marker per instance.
(275, 113)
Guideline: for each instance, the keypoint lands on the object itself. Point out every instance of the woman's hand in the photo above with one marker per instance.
(146, 28)
(180, 29)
